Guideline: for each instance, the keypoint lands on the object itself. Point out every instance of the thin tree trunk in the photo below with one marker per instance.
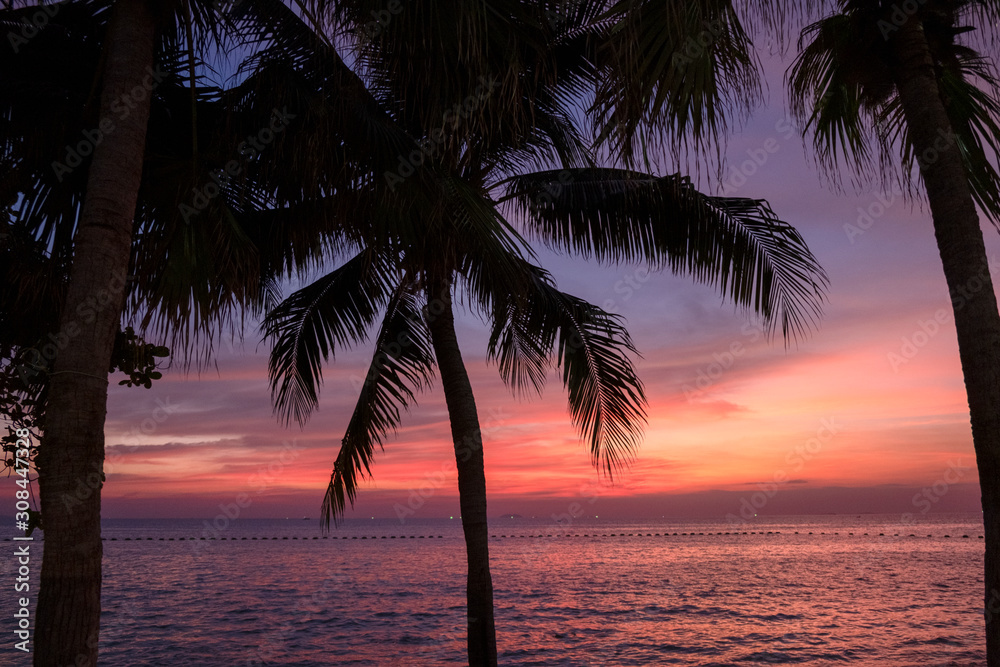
(71, 453)
(963, 254)
(465, 433)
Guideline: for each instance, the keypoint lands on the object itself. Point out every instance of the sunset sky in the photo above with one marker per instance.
(835, 423)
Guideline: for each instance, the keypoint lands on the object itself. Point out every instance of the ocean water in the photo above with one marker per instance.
(807, 591)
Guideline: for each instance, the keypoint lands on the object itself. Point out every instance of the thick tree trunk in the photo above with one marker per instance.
(963, 254)
(468, 441)
(71, 453)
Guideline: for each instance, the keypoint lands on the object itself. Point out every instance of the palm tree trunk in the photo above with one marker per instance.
(963, 254)
(71, 453)
(465, 433)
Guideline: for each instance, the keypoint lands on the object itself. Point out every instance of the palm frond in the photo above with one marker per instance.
(403, 365)
(479, 243)
(606, 398)
(737, 244)
(591, 347)
(336, 310)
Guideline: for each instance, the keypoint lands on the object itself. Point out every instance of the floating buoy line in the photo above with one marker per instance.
(506, 536)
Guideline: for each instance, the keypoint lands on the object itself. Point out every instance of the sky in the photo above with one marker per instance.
(866, 414)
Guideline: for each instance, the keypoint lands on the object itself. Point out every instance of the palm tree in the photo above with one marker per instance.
(95, 238)
(902, 78)
(605, 395)
(432, 228)
(68, 612)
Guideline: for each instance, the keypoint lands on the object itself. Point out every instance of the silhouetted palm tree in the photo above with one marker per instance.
(887, 81)
(68, 612)
(120, 208)
(484, 97)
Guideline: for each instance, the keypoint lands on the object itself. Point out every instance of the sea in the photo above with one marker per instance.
(794, 590)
